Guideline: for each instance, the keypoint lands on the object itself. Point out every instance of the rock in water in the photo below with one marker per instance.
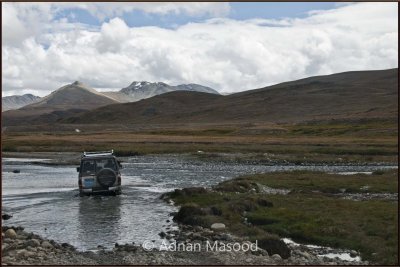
(162, 235)
(10, 233)
(6, 216)
(218, 226)
(16, 171)
(353, 253)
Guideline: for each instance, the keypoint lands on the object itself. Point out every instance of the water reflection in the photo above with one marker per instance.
(99, 220)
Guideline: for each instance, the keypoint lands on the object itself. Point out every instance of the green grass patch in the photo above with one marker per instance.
(379, 182)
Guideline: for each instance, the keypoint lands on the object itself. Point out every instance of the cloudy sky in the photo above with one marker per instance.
(230, 47)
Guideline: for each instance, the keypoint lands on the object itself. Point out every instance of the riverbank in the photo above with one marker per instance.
(22, 248)
(73, 158)
(253, 207)
(309, 207)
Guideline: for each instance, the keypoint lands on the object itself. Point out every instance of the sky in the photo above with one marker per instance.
(230, 47)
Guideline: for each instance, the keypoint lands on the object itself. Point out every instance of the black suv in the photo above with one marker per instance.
(99, 172)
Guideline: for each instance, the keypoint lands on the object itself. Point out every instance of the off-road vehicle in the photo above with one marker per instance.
(99, 172)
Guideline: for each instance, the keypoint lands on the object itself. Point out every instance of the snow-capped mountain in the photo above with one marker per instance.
(17, 101)
(141, 90)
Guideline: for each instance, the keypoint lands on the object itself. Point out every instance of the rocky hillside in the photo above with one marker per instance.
(17, 101)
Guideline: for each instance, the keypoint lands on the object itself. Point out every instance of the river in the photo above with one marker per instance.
(44, 199)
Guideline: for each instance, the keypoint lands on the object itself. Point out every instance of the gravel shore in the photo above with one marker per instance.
(22, 248)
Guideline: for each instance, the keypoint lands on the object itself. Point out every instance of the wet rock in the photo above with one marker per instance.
(162, 234)
(16, 171)
(10, 233)
(217, 226)
(47, 245)
(249, 260)
(353, 253)
(6, 216)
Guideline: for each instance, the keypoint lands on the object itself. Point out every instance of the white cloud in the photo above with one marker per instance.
(225, 54)
(107, 10)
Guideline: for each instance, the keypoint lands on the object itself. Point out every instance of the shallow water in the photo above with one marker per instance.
(43, 199)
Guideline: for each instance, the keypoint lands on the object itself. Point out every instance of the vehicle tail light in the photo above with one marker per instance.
(80, 184)
(119, 179)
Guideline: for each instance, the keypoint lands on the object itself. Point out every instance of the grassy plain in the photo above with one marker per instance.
(342, 142)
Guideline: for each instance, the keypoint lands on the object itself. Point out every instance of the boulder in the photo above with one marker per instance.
(249, 260)
(47, 245)
(33, 243)
(274, 245)
(10, 233)
(276, 257)
(23, 253)
(306, 255)
(353, 253)
(217, 226)
(190, 214)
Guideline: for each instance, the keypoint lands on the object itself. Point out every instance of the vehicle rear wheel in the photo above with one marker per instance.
(106, 177)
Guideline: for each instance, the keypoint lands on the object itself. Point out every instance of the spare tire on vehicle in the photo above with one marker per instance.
(106, 177)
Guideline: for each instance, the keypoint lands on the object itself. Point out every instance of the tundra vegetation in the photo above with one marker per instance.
(362, 141)
(311, 207)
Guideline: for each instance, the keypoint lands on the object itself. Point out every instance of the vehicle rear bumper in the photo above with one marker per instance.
(100, 190)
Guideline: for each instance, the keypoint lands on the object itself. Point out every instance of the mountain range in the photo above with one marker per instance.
(348, 95)
(77, 97)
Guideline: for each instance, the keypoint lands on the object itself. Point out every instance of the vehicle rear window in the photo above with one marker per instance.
(105, 163)
(88, 167)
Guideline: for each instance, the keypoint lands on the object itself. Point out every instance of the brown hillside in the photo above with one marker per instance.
(66, 101)
(349, 95)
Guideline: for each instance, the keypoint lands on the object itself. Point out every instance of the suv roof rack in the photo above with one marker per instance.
(98, 153)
